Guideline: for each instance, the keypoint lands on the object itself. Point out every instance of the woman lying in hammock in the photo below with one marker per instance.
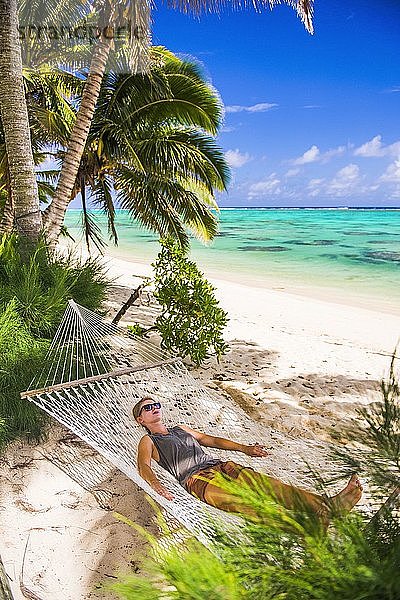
(179, 451)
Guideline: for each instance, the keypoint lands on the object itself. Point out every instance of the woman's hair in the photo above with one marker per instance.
(138, 405)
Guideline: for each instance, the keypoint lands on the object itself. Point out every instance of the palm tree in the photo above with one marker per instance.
(22, 185)
(139, 13)
(151, 141)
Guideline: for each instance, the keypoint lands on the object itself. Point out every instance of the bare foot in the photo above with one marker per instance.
(349, 496)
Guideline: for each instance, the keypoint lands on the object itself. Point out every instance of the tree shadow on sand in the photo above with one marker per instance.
(114, 492)
(315, 405)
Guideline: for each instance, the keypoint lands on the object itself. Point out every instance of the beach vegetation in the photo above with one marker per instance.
(376, 434)
(21, 356)
(41, 282)
(138, 329)
(279, 554)
(191, 322)
(35, 286)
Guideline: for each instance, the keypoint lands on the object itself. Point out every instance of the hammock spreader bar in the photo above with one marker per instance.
(111, 374)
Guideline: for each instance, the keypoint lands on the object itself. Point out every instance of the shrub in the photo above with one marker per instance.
(41, 283)
(137, 329)
(35, 286)
(191, 322)
(278, 557)
(21, 355)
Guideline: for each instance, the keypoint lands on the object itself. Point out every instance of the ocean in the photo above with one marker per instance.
(346, 255)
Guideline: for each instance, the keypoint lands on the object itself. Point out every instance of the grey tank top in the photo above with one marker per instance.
(181, 454)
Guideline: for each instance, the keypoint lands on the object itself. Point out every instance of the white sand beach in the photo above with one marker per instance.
(297, 364)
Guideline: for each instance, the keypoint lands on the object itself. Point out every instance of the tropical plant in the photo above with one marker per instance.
(191, 321)
(48, 93)
(22, 186)
(151, 141)
(21, 355)
(40, 283)
(138, 13)
(276, 557)
(34, 289)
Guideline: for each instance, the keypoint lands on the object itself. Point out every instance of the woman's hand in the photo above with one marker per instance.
(255, 450)
(161, 490)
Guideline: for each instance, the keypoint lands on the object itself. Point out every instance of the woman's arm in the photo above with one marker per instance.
(211, 441)
(145, 451)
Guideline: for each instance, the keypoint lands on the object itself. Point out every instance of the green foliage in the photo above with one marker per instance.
(137, 329)
(41, 283)
(34, 289)
(21, 355)
(191, 322)
(277, 557)
(377, 435)
(151, 141)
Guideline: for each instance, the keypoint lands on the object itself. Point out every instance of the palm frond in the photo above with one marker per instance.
(101, 196)
(147, 203)
(185, 153)
(91, 229)
(176, 205)
(304, 8)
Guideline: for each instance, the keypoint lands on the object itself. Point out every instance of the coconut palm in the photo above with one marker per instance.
(109, 12)
(21, 180)
(151, 144)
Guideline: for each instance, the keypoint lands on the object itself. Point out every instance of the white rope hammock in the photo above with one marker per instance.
(95, 372)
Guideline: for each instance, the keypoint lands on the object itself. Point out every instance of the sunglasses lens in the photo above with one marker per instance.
(149, 407)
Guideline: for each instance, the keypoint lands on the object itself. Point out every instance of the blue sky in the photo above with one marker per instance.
(310, 120)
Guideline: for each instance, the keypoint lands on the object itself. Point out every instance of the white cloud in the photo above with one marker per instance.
(236, 159)
(261, 107)
(392, 173)
(309, 156)
(371, 148)
(269, 186)
(314, 154)
(313, 183)
(227, 129)
(326, 156)
(314, 187)
(344, 181)
(292, 172)
(375, 148)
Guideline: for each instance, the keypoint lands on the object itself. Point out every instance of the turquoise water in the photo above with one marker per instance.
(347, 255)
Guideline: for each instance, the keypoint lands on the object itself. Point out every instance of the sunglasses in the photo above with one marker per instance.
(149, 407)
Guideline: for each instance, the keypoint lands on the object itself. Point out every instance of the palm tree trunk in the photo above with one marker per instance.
(7, 218)
(14, 116)
(54, 214)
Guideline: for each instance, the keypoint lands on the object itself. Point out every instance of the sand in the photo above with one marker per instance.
(297, 364)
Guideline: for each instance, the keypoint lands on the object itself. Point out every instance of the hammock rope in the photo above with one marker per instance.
(96, 371)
